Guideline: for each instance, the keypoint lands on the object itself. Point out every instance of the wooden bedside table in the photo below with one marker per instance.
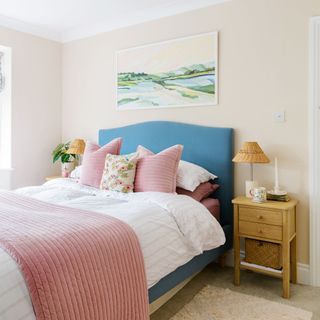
(271, 221)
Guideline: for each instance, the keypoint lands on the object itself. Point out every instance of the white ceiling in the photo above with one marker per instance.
(67, 20)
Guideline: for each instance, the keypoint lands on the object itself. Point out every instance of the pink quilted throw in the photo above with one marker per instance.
(93, 161)
(157, 172)
(78, 265)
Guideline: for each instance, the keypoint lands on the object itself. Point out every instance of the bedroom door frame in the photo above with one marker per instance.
(314, 148)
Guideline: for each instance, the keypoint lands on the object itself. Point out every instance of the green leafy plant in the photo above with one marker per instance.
(60, 153)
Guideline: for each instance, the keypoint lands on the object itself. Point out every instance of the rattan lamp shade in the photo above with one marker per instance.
(77, 147)
(251, 153)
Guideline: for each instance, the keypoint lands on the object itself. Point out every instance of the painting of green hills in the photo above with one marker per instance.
(176, 73)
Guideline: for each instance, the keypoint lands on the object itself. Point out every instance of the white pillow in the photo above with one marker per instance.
(76, 173)
(190, 175)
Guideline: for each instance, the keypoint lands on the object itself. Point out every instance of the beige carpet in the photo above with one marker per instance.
(213, 303)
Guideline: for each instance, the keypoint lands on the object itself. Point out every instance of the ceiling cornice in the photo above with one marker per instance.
(25, 27)
(126, 20)
(134, 18)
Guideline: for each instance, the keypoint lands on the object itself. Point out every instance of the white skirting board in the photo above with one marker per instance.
(304, 276)
(303, 269)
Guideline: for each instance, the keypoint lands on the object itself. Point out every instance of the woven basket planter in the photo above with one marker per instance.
(263, 253)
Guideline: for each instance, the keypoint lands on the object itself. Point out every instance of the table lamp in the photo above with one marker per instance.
(251, 153)
(77, 148)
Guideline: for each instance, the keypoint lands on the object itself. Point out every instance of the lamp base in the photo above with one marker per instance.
(250, 185)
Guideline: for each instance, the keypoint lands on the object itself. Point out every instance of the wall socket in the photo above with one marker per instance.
(279, 116)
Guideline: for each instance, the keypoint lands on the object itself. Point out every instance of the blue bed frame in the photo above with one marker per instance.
(209, 147)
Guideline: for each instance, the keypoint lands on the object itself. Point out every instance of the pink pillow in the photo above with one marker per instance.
(94, 159)
(202, 191)
(213, 205)
(157, 172)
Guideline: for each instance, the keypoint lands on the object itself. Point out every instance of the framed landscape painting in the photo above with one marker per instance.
(175, 73)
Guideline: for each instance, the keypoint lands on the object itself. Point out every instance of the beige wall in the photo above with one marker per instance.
(36, 105)
(263, 69)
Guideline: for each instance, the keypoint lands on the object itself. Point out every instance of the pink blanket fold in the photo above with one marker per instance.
(78, 265)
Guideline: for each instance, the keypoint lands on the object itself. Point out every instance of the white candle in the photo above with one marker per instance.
(276, 176)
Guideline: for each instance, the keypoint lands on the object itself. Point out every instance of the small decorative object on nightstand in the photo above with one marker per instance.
(276, 194)
(270, 229)
(68, 154)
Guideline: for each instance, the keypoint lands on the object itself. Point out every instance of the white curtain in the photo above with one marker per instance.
(1, 106)
(2, 78)
(5, 115)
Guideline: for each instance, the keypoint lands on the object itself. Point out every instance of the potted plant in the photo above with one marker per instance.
(67, 159)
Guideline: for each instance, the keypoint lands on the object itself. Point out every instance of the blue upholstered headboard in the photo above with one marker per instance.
(211, 148)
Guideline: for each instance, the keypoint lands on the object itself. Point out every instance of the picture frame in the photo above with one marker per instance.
(180, 72)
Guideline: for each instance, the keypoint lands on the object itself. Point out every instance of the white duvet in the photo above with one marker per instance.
(172, 229)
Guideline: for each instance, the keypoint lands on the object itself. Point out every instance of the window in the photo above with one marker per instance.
(5, 107)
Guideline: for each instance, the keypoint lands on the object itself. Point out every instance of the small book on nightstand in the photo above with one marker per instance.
(278, 197)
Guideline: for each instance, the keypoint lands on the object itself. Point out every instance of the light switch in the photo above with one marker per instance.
(279, 116)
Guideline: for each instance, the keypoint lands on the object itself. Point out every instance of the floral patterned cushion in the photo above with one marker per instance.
(119, 172)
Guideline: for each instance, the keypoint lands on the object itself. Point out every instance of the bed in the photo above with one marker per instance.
(208, 147)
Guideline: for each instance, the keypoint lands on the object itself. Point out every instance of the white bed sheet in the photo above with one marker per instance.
(172, 229)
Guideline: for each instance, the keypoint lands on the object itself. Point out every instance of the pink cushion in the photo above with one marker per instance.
(157, 172)
(201, 192)
(94, 159)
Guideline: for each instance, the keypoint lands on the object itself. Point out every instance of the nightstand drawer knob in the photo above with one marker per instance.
(260, 231)
(260, 217)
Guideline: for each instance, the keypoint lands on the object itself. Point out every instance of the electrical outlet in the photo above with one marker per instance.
(279, 116)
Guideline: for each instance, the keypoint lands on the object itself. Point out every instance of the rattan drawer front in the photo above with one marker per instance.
(260, 215)
(260, 230)
(263, 253)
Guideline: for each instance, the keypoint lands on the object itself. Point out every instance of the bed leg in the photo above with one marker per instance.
(222, 260)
